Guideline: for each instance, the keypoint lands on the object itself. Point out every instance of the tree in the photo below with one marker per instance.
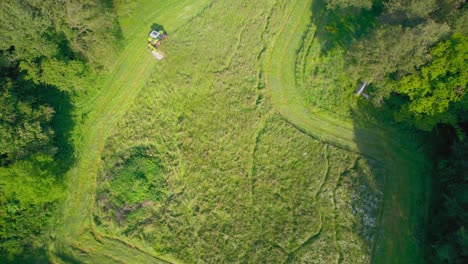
(411, 9)
(367, 4)
(45, 45)
(436, 86)
(448, 237)
(22, 228)
(24, 122)
(392, 51)
(91, 28)
(70, 76)
(29, 191)
(24, 27)
(50, 37)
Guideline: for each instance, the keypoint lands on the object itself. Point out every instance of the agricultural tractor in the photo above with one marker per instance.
(154, 41)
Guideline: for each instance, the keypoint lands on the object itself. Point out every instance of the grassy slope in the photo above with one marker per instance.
(125, 81)
(405, 201)
(231, 194)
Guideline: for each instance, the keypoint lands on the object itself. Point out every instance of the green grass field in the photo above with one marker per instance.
(217, 154)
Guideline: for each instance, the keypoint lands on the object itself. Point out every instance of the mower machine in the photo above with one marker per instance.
(154, 41)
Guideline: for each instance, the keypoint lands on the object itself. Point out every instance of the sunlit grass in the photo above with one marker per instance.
(215, 154)
(241, 182)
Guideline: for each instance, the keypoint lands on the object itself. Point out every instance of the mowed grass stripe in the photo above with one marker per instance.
(128, 77)
(280, 81)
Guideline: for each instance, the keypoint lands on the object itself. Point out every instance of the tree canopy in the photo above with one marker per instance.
(46, 46)
(24, 122)
(437, 87)
(415, 55)
(415, 59)
(367, 4)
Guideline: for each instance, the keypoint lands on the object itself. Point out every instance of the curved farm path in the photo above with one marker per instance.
(404, 198)
(74, 237)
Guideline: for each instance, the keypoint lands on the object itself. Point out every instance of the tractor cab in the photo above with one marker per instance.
(159, 35)
(154, 41)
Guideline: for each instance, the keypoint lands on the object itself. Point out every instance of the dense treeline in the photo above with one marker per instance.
(50, 51)
(63, 30)
(413, 55)
(448, 235)
(25, 122)
(29, 182)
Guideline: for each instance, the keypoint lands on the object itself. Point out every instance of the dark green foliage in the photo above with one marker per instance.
(50, 51)
(448, 234)
(29, 191)
(415, 59)
(53, 40)
(438, 89)
(393, 50)
(410, 10)
(23, 26)
(22, 228)
(24, 121)
(408, 70)
(349, 3)
(128, 188)
(33, 180)
(138, 180)
(414, 55)
(72, 76)
(323, 54)
(39, 29)
(339, 27)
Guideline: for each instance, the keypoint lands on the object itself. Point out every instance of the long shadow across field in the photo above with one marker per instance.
(404, 207)
(62, 123)
(406, 181)
(340, 27)
(404, 212)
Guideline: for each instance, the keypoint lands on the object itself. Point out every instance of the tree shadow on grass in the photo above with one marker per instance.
(62, 124)
(157, 27)
(393, 152)
(33, 216)
(339, 27)
(400, 230)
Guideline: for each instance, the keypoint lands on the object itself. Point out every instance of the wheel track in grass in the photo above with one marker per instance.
(251, 172)
(308, 241)
(303, 53)
(315, 235)
(335, 216)
(326, 172)
(260, 56)
(235, 50)
(395, 151)
(75, 228)
(266, 116)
